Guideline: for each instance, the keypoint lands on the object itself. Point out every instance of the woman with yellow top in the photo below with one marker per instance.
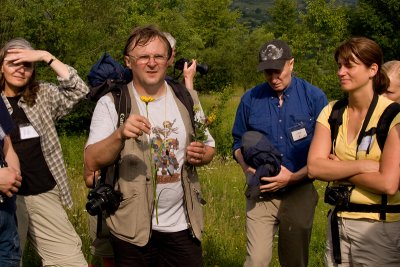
(365, 225)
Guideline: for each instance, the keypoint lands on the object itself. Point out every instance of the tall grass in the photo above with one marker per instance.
(224, 239)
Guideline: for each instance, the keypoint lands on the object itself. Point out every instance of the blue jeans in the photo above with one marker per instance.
(10, 254)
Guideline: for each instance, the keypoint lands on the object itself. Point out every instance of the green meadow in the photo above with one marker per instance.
(224, 239)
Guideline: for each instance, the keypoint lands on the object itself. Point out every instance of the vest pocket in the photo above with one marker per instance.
(132, 219)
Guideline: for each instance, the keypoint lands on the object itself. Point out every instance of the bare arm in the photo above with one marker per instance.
(89, 176)
(321, 167)
(10, 177)
(386, 180)
(189, 73)
(27, 55)
(245, 168)
(104, 152)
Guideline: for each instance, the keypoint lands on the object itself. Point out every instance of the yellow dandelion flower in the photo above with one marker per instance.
(146, 99)
(212, 118)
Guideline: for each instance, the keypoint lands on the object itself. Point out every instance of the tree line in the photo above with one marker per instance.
(80, 31)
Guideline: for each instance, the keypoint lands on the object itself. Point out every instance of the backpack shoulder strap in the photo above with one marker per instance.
(336, 118)
(382, 128)
(123, 105)
(122, 102)
(183, 94)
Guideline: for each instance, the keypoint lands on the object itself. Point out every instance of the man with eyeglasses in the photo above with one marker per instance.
(159, 220)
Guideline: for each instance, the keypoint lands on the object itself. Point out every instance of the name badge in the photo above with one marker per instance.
(299, 134)
(27, 132)
(365, 143)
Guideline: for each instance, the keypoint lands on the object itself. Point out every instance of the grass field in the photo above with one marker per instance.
(223, 187)
(222, 181)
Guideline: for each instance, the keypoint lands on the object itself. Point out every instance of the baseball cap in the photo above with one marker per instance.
(273, 55)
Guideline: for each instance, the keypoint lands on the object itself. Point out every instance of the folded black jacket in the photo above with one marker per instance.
(259, 153)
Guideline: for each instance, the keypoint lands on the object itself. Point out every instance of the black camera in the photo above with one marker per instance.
(337, 195)
(200, 68)
(103, 197)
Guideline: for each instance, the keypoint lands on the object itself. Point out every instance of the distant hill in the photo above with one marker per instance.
(254, 11)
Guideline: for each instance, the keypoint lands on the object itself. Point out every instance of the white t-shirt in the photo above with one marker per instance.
(168, 139)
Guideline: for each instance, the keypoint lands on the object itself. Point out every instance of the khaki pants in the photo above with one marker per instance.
(43, 220)
(365, 243)
(291, 215)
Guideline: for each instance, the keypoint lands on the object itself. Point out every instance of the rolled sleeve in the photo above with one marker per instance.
(104, 120)
(67, 94)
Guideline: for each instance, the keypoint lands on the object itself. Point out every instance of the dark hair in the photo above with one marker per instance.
(29, 91)
(368, 52)
(140, 36)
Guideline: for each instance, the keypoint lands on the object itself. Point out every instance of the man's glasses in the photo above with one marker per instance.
(144, 59)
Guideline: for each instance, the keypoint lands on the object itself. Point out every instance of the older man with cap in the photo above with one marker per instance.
(284, 109)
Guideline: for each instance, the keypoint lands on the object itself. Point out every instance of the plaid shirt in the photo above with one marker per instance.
(52, 103)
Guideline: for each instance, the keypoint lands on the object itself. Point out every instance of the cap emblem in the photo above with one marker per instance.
(271, 53)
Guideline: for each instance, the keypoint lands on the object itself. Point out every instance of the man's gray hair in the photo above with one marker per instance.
(170, 39)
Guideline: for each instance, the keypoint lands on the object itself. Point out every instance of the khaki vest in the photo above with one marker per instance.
(133, 219)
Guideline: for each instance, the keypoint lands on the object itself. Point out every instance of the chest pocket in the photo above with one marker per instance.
(300, 130)
(261, 123)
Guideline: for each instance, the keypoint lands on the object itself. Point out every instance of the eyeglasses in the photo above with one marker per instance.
(144, 59)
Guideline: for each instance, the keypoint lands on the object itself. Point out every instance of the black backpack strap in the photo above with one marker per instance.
(184, 96)
(368, 116)
(122, 102)
(123, 105)
(336, 119)
(382, 128)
